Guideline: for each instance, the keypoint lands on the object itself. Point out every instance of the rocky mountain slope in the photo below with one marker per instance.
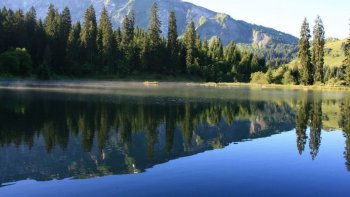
(208, 23)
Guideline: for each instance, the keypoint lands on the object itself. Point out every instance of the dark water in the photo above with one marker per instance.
(174, 142)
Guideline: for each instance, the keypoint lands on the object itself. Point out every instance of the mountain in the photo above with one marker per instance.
(208, 23)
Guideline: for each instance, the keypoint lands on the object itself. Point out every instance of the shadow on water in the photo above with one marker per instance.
(46, 136)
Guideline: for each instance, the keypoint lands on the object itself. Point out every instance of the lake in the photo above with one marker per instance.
(169, 139)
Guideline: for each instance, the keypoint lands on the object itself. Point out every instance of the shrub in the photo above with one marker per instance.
(288, 78)
(259, 78)
(278, 75)
(16, 62)
(43, 72)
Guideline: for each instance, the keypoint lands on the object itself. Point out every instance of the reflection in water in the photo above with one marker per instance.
(315, 127)
(345, 124)
(301, 123)
(46, 136)
(309, 112)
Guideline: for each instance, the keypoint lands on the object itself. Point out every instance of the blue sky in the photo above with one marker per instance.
(287, 15)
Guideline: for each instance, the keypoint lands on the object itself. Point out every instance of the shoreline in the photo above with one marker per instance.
(121, 84)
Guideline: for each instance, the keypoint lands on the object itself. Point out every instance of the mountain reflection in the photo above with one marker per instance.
(53, 136)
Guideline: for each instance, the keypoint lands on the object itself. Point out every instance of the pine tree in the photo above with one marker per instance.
(31, 35)
(51, 23)
(107, 39)
(154, 28)
(216, 49)
(88, 35)
(132, 22)
(19, 28)
(74, 49)
(127, 35)
(190, 45)
(118, 36)
(229, 53)
(52, 31)
(172, 43)
(65, 25)
(318, 50)
(1, 32)
(347, 62)
(304, 54)
(39, 44)
(155, 41)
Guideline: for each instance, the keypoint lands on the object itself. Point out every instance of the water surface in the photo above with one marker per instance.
(174, 140)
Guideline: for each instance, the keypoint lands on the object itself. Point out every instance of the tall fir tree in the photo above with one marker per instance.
(155, 41)
(304, 55)
(128, 32)
(172, 42)
(39, 43)
(190, 45)
(52, 30)
(347, 62)
(318, 50)
(1, 32)
(19, 28)
(154, 28)
(65, 25)
(32, 36)
(88, 35)
(132, 23)
(107, 40)
(74, 50)
(30, 26)
(51, 23)
(216, 49)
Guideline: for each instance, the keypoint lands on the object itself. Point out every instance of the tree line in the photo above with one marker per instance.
(56, 46)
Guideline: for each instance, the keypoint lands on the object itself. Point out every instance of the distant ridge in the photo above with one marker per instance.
(208, 23)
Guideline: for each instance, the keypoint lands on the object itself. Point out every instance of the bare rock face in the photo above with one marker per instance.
(261, 39)
(208, 23)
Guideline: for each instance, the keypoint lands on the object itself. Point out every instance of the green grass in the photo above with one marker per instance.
(334, 54)
(276, 86)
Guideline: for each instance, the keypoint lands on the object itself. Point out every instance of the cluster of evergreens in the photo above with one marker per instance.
(31, 47)
(347, 62)
(310, 68)
(56, 47)
(275, 54)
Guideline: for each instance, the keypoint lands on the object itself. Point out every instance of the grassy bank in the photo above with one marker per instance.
(274, 86)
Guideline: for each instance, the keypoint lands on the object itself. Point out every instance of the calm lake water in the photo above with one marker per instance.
(174, 140)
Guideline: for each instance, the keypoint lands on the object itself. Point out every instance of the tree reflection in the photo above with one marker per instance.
(345, 124)
(315, 127)
(97, 136)
(301, 123)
